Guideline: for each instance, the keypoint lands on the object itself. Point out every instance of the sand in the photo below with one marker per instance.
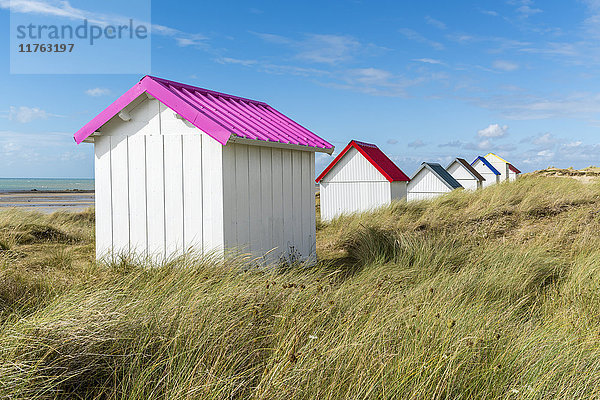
(48, 201)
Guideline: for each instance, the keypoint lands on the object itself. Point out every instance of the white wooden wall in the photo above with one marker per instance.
(500, 165)
(339, 198)
(426, 185)
(355, 185)
(158, 185)
(463, 176)
(269, 200)
(512, 176)
(399, 190)
(490, 177)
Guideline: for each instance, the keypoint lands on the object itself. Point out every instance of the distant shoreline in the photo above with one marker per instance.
(45, 185)
(44, 191)
(47, 201)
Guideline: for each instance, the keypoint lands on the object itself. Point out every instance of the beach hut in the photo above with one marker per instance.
(465, 174)
(360, 178)
(487, 170)
(508, 172)
(178, 167)
(431, 180)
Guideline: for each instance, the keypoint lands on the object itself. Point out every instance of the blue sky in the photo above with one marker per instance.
(426, 81)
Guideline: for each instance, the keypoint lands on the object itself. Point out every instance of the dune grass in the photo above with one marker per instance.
(491, 295)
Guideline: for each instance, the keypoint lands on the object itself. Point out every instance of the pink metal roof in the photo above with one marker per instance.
(217, 114)
(375, 156)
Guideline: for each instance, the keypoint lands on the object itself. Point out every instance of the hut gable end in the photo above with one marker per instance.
(360, 178)
(352, 167)
(465, 174)
(431, 180)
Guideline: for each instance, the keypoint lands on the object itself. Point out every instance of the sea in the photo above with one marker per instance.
(44, 184)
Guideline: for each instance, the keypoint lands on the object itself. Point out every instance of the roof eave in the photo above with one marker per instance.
(487, 164)
(279, 145)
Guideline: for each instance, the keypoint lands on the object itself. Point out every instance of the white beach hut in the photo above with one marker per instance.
(487, 170)
(431, 180)
(465, 174)
(178, 168)
(508, 172)
(360, 178)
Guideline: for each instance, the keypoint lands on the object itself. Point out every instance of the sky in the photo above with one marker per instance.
(425, 81)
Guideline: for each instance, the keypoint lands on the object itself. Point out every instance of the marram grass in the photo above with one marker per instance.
(488, 295)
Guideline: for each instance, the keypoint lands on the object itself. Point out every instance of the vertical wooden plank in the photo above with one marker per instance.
(137, 194)
(266, 199)
(288, 233)
(323, 199)
(212, 189)
(192, 189)
(307, 195)
(173, 194)
(313, 210)
(103, 199)
(120, 194)
(229, 196)
(277, 207)
(242, 198)
(254, 189)
(297, 200)
(156, 196)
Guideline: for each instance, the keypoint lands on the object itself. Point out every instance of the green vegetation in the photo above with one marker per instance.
(488, 295)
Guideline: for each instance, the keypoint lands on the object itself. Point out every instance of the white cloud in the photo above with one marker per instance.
(9, 149)
(320, 48)
(379, 82)
(490, 12)
(27, 114)
(519, 107)
(493, 131)
(229, 60)
(452, 143)
(97, 92)
(416, 144)
(392, 141)
(573, 144)
(428, 60)
(505, 65)
(417, 37)
(544, 140)
(329, 49)
(527, 11)
(546, 153)
(272, 38)
(185, 40)
(435, 22)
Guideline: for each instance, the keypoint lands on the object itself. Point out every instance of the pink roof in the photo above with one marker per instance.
(217, 114)
(376, 157)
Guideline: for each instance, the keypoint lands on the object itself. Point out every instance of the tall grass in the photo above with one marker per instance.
(492, 295)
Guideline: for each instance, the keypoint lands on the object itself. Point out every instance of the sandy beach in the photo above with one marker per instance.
(48, 201)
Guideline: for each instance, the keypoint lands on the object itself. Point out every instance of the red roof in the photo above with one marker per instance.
(376, 157)
(219, 115)
(513, 169)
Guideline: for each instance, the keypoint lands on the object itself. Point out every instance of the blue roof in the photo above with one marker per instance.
(443, 175)
(487, 164)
